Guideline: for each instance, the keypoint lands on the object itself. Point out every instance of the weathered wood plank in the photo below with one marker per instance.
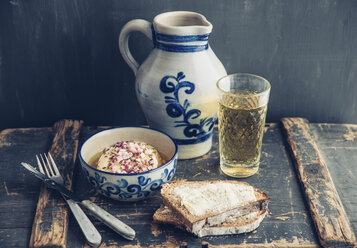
(287, 225)
(18, 189)
(330, 219)
(338, 146)
(51, 220)
(14, 237)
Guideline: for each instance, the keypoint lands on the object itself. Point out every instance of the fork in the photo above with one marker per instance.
(106, 218)
(47, 166)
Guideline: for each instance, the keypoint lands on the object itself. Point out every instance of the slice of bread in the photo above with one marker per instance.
(211, 203)
(243, 224)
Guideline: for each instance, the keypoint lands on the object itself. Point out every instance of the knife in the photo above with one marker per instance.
(114, 223)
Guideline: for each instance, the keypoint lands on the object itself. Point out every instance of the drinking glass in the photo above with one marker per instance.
(243, 100)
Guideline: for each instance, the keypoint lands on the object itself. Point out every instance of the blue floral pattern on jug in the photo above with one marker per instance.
(124, 190)
(200, 131)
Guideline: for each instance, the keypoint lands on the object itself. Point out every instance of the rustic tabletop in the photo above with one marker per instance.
(308, 170)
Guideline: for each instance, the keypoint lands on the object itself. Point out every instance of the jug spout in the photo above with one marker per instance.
(182, 23)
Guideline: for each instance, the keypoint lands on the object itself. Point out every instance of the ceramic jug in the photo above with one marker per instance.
(176, 84)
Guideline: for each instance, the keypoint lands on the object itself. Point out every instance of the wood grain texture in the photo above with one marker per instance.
(51, 219)
(288, 223)
(338, 146)
(18, 189)
(331, 222)
(60, 51)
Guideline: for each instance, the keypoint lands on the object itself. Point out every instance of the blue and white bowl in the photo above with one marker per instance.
(129, 187)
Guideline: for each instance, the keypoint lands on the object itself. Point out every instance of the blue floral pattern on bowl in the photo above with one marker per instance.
(123, 189)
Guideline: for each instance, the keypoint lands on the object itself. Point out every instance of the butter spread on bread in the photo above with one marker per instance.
(201, 199)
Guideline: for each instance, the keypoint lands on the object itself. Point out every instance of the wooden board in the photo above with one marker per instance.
(51, 220)
(338, 147)
(288, 223)
(18, 189)
(331, 222)
(61, 57)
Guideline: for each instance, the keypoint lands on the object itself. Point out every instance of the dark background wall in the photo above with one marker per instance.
(60, 58)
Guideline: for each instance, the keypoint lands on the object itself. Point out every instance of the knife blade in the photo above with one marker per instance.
(114, 223)
(50, 183)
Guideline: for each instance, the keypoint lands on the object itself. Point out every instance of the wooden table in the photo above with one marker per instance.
(308, 170)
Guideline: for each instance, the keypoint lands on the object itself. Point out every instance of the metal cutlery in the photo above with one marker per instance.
(47, 166)
(105, 217)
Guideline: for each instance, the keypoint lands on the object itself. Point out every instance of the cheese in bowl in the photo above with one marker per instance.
(127, 157)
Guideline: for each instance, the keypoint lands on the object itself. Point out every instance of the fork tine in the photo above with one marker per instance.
(54, 166)
(47, 164)
(40, 165)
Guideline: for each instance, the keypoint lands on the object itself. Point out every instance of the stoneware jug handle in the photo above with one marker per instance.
(134, 25)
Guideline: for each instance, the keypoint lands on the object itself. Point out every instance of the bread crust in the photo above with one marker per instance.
(242, 224)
